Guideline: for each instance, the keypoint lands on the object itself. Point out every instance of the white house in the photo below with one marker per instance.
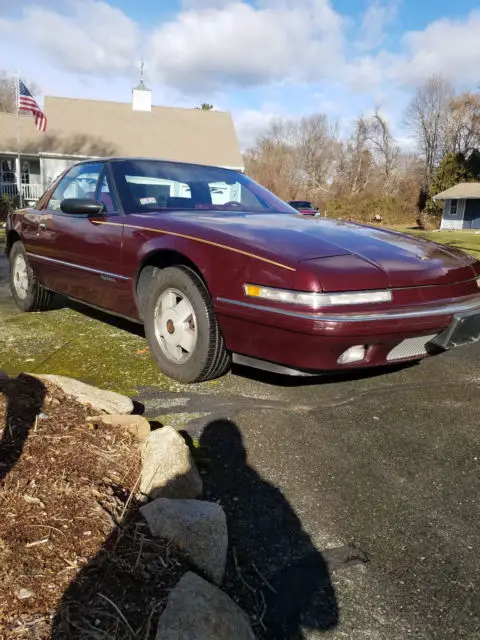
(461, 208)
(80, 129)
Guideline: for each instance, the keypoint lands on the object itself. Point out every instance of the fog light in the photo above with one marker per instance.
(354, 354)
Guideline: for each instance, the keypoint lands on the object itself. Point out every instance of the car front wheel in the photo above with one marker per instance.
(182, 329)
(28, 293)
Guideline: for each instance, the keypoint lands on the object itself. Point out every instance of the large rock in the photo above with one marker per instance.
(99, 400)
(196, 610)
(168, 469)
(198, 528)
(136, 425)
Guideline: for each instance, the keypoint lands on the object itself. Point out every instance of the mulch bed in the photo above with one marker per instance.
(76, 560)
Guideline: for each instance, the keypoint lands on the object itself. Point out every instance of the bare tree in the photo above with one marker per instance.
(463, 124)
(8, 92)
(296, 158)
(357, 163)
(383, 147)
(364, 177)
(426, 116)
(273, 165)
(317, 149)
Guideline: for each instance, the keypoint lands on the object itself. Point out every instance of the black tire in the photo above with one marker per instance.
(209, 358)
(34, 297)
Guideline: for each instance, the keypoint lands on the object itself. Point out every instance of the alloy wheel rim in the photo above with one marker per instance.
(20, 277)
(175, 326)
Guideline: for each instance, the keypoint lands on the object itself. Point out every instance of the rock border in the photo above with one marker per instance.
(170, 485)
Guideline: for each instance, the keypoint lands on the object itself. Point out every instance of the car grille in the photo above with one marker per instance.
(410, 348)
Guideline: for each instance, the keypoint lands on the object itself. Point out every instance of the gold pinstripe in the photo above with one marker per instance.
(209, 242)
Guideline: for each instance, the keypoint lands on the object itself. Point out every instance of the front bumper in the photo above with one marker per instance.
(440, 309)
(315, 341)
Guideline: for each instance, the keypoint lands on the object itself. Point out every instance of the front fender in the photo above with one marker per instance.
(217, 266)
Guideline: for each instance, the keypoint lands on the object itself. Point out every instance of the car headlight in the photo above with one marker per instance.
(317, 300)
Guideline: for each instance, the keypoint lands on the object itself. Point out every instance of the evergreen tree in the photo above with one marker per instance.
(453, 169)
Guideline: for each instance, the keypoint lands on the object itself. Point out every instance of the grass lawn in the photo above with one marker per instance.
(468, 241)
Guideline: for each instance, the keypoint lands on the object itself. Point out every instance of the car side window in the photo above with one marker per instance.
(79, 182)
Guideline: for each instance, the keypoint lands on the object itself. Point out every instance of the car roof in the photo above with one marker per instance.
(114, 159)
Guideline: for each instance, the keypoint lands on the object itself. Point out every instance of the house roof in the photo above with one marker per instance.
(97, 128)
(463, 190)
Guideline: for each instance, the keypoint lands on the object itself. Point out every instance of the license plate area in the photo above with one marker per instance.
(463, 329)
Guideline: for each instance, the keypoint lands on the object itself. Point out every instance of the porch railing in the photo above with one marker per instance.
(30, 192)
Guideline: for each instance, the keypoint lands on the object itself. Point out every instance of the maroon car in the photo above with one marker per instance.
(305, 207)
(219, 269)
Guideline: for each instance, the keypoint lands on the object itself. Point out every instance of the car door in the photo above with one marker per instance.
(79, 255)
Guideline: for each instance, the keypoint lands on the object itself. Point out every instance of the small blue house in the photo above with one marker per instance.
(461, 209)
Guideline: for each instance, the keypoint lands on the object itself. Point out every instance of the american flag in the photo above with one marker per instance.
(26, 102)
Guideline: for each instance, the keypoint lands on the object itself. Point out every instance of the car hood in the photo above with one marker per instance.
(405, 260)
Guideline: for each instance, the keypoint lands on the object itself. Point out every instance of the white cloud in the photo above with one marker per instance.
(250, 124)
(213, 45)
(366, 73)
(212, 48)
(376, 19)
(203, 4)
(447, 47)
(407, 144)
(243, 45)
(89, 37)
(208, 45)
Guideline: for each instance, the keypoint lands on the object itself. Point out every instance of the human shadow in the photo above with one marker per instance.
(25, 396)
(119, 593)
(274, 571)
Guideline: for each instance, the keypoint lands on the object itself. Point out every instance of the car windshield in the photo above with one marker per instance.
(151, 185)
(300, 204)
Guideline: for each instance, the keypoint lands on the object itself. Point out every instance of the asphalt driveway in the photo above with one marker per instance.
(354, 502)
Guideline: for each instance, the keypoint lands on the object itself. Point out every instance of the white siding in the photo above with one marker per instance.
(50, 168)
(453, 221)
(451, 224)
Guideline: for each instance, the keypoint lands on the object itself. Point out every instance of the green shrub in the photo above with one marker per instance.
(387, 210)
(7, 204)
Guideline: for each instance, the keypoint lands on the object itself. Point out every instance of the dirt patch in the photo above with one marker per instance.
(76, 561)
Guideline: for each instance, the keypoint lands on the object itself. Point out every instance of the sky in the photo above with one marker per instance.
(258, 59)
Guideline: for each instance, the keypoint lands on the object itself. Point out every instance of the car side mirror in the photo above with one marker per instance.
(82, 206)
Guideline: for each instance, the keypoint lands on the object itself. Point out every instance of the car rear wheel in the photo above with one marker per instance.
(181, 327)
(28, 293)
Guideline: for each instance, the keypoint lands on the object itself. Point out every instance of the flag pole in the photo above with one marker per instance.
(19, 164)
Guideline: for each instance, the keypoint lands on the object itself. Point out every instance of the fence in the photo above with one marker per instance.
(30, 192)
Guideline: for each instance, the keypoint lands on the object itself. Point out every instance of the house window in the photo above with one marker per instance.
(453, 208)
(7, 171)
(25, 172)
